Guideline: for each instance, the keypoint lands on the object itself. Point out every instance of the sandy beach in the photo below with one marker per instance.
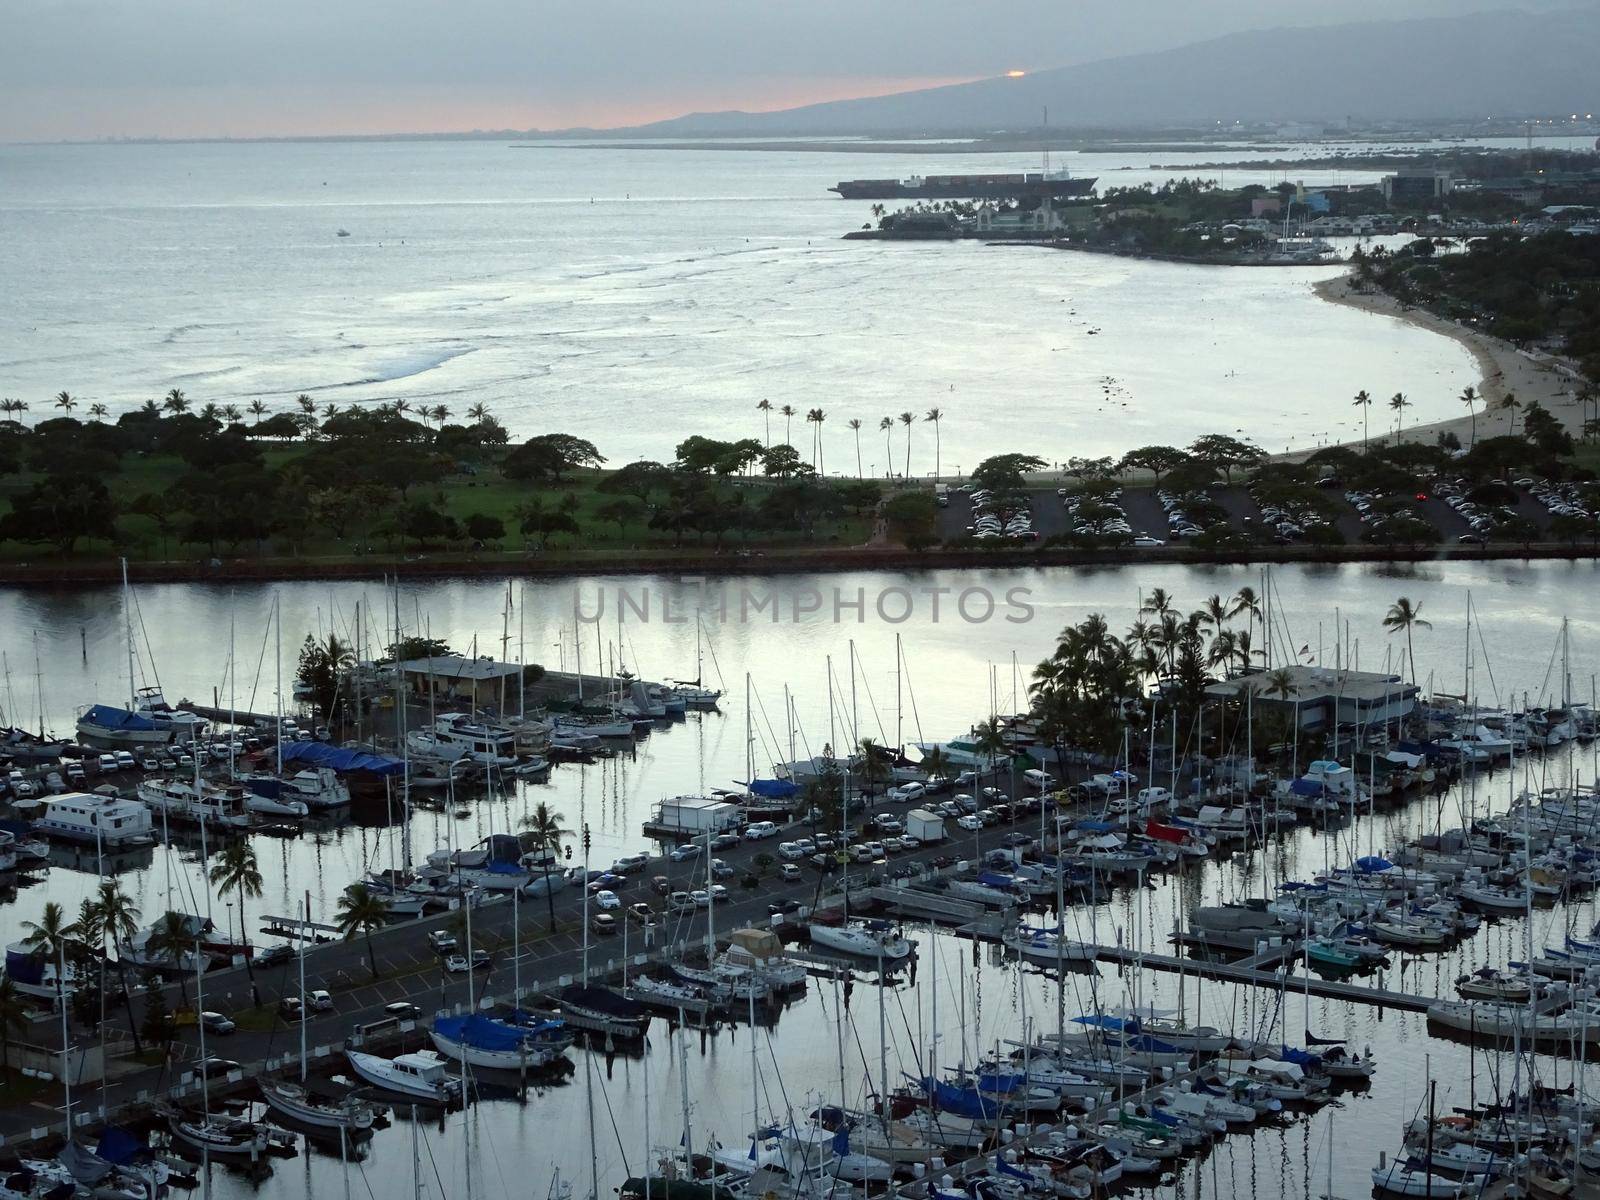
(1505, 370)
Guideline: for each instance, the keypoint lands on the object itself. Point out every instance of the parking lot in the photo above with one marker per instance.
(1440, 511)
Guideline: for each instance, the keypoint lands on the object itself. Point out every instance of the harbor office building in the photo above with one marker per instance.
(481, 682)
(1319, 697)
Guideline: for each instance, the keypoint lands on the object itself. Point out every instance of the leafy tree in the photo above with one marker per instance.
(1227, 454)
(783, 461)
(60, 511)
(640, 479)
(423, 522)
(622, 511)
(1158, 460)
(321, 668)
(483, 528)
(1005, 471)
(549, 457)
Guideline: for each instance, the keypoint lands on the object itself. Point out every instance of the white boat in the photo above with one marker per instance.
(1047, 946)
(479, 1041)
(206, 804)
(1397, 1179)
(104, 821)
(34, 972)
(425, 746)
(420, 1076)
(108, 725)
(268, 807)
(868, 939)
(296, 1103)
(320, 788)
(484, 744)
(567, 724)
(221, 1137)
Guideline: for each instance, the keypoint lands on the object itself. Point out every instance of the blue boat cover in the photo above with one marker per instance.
(119, 1146)
(1373, 862)
(995, 880)
(962, 1101)
(1306, 787)
(25, 967)
(1300, 1058)
(1097, 826)
(481, 1033)
(773, 789)
(320, 754)
(108, 717)
(265, 786)
(1115, 1024)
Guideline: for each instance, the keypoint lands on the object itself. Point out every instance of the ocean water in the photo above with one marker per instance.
(637, 296)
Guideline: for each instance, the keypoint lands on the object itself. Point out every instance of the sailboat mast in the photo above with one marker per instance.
(305, 1015)
(127, 629)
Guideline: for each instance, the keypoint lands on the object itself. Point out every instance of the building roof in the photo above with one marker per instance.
(453, 666)
(1310, 685)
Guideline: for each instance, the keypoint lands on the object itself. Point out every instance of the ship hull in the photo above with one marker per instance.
(976, 188)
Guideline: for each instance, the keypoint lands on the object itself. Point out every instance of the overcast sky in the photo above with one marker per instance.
(200, 68)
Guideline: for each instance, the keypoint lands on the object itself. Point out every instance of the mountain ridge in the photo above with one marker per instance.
(1504, 63)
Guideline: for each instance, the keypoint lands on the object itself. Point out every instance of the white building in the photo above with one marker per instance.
(1318, 695)
(1041, 220)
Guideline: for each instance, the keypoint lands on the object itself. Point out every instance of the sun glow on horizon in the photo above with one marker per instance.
(1015, 74)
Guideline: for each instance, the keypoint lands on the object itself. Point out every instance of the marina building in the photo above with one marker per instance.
(1317, 696)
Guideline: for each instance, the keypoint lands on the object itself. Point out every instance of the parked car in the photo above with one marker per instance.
(441, 941)
(607, 900)
(685, 852)
(289, 1008)
(273, 955)
(218, 1023)
(790, 872)
(760, 829)
(212, 1067)
(402, 1010)
(603, 923)
(792, 851)
(725, 841)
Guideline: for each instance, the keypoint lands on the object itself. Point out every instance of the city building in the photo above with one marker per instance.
(1416, 185)
(480, 681)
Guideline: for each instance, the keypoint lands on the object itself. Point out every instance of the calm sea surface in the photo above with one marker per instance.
(638, 296)
(951, 667)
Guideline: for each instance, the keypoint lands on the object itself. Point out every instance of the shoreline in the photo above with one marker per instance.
(837, 560)
(1502, 369)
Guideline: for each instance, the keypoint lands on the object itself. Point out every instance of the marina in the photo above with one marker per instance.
(1128, 906)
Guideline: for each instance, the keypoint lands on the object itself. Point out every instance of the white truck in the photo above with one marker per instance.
(925, 826)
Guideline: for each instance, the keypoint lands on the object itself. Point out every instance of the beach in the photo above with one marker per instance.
(1505, 371)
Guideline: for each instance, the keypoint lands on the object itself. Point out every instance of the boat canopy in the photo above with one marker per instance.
(1372, 863)
(320, 754)
(108, 717)
(481, 1033)
(773, 789)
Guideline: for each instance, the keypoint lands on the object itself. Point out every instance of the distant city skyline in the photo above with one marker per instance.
(177, 68)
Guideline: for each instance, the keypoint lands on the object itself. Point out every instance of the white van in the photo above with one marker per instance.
(760, 829)
(629, 863)
(1038, 778)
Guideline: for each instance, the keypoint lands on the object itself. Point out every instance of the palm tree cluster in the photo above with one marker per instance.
(816, 416)
(1083, 693)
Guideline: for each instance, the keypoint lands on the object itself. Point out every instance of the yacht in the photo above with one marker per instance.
(35, 973)
(199, 804)
(186, 726)
(108, 725)
(105, 821)
(479, 1041)
(487, 745)
(320, 788)
(420, 1076)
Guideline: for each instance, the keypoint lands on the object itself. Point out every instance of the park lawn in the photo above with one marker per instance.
(486, 492)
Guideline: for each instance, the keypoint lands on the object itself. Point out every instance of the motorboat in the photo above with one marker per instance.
(1398, 1179)
(419, 1076)
(480, 1041)
(196, 803)
(106, 822)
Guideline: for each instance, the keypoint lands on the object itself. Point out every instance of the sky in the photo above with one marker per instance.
(80, 69)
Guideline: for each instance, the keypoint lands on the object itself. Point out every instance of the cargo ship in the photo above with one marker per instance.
(1016, 185)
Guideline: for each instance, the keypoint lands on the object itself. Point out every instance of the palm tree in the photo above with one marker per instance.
(151, 408)
(820, 416)
(307, 404)
(936, 415)
(65, 402)
(787, 412)
(116, 919)
(236, 870)
(13, 1018)
(1469, 397)
(1399, 403)
(937, 763)
(1407, 616)
(170, 939)
(1159, 604)
(258, 409)
(176, 402)
(8, 406)
(988, 739)
(49, 935)
(545, 832)
(230, 412)
(855, 427)
(765, 409)
(210, 412)
(360, 912)
(1512, 403)
(478, 412)
(887, 426)
(1215, 612)
(98, 411)
(907, 419)
(441, 414)
(1363, 401)
(814, 415)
